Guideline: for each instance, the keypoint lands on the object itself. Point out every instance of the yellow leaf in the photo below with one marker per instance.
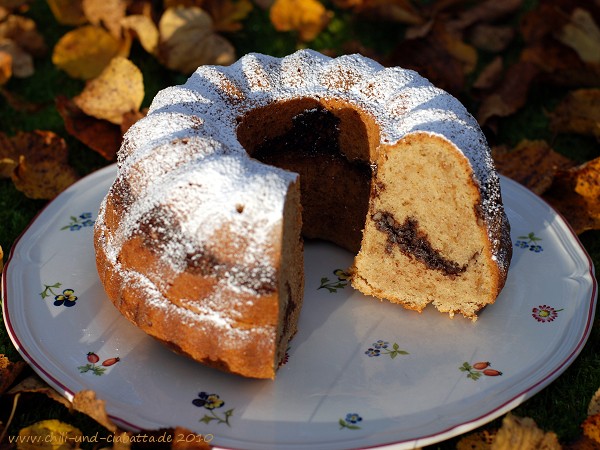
(307, 17)
(524, 434)
(582, 34)
(67, 12)
(144, 29)
(84, 52)
(106, 12)
(118, 90)
(187, 40)
(87, 403)
(49, 434)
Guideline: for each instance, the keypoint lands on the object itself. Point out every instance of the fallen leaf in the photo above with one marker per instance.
(43, 170)
(34, 385)
(107, 13)
(307, 17)
(118, 90)
(578, 112)
(23, 31)
(84, 52)
(591, 427)
(582, 34)
(485, 11)
(227, 15)
(531, 163)
(100, 135)
(21, 61)
(9, 370)
(67, 12)
(8, 156)
(49, 434)
(594, 405)
(5, 66)
(511, 94)
(575, 193)
(524, 434)
(480, 440)
(130, 118)
(86, 402)
(144, 29)
(401, 11)
(491, 38)
(187, 40)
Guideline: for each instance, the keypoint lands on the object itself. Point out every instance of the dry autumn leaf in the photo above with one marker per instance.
(582, 34)
(67, 12)
(594, 405)
(21, 61)
(531, 163)
(51, 435)
(87, 403)
(84, 52)
(591, 427)
(227, 15)
(107, 13)
(575, 193)
(100, 135)
(187, 40)
(34, 385)
(307, 17)
(578, 112)
(42, 170)
(144, 29)
(5, 67)
(118, 90)
(9, 370)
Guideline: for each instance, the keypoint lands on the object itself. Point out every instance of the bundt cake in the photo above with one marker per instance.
(199, 241)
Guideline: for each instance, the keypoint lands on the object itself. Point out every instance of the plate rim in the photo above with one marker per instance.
(429, 439)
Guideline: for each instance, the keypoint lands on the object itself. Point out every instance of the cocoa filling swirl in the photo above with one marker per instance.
(414, 243)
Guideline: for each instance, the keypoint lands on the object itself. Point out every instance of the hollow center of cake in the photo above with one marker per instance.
(334, 187)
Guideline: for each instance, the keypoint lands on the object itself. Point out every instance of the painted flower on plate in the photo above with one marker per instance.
(545, 313)
(67, 298)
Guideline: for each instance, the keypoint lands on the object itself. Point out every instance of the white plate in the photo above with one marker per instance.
(339, 389)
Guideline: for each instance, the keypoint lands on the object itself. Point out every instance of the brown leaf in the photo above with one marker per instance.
(23, 31)
(490, 75)
(485, 11)
(594, 405)
(582, 34)
(33, 384)
(84, 52)
(524, 434)
(307, 17)
(441, 56)
(43, 170)
(144, 29)
(575, 193)
(118, 90)
(227, 15)
(87, 403)
(67, 12)
(22, 62)
(9, 371)
(578, 112)
(187, 40)
(511, 94)
(5, 66)
(491, 38)
(531, 163)
(130, 118)
(8, 156)
(480, 440)
(100, 135)
(107, 13)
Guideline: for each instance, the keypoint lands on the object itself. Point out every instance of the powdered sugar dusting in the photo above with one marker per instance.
(189, 167)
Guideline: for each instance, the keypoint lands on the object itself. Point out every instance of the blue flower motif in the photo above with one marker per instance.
(208, 401)
(353, 418)
(373, 352)
(380, 344)
(75, 227)
(86, 215)
(536, 248)
(521, 244)
(67, 298)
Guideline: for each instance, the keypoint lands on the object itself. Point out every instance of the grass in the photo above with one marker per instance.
(560, 407)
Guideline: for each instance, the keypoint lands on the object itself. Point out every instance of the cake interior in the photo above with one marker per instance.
(409, 209)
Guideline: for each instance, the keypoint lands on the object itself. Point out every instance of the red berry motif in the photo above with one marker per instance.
(110, 361)
(492, 372)
(481, 365)
(93, 358)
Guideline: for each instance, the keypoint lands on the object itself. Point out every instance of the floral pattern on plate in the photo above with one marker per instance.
(529, 241)
(545, 313)
(381, 347)
(476, 370)
(78, 222)
(343, 278)
(211, 402)
(350, 422)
